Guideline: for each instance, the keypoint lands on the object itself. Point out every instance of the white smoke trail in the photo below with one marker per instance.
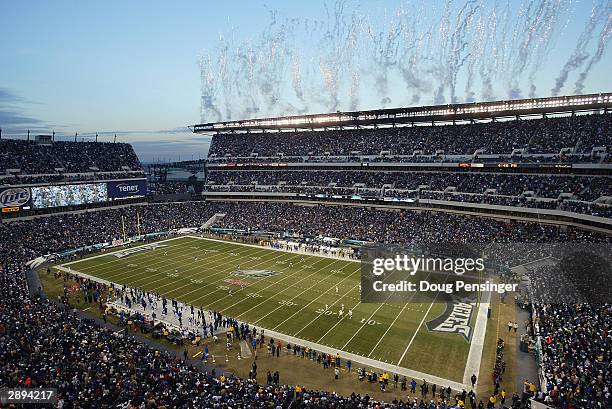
(209, 112)
(437, 51)
(604, 38)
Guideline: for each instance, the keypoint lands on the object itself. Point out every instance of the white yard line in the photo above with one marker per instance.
(418, 328)
(246, 286)
(104, 266)
(306, 289)
(111, 264)
(147, 274)
(285, 289)
(387, 331)
(332, 327)
(224, 272)
(198, 270)
(317, 315)
(365, 322)
(474, 354)
(182, 253)
(131, 284)
(162, 264)
(193, 267)
(373, 363)
(118, 251)
(393, 323)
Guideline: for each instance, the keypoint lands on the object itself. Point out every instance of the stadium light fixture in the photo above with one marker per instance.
(418, 114)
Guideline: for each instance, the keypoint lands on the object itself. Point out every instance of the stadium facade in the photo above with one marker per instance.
(535, 170)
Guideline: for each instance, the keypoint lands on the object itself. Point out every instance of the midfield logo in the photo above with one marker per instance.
(456, 318)
(255, 273)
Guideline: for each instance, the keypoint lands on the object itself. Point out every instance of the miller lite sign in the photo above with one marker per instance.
(14, 197)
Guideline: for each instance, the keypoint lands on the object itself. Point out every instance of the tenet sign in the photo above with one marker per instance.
(127, 188)
(15, 197)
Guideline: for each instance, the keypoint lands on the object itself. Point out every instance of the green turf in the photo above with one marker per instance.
(291, 302)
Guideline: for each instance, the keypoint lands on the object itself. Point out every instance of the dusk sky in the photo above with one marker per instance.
(131, 68)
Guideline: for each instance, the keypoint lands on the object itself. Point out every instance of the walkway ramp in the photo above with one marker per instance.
(213, 220)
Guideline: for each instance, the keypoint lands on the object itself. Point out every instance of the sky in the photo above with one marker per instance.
(135, 68)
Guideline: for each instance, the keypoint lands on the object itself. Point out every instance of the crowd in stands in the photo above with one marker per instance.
(168, 188)
(548, 135)
(44, 344)
(526, 140)
(65, 178)
(600, 210)
(32, 158)
(501, 189)
(550, 186)
(42, 235)
(577, 354)
(550, 158)
(386, 226)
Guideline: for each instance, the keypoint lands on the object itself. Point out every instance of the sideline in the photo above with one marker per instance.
(373, 363)
(472, 365)
(307, 253)
(151, 343)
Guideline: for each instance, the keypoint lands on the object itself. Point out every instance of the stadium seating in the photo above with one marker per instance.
(491, 188)
(531, 148)
(582, 187)
(44, 344)
(24, 162)
(53, 330)
(576, 354)
(537, 136)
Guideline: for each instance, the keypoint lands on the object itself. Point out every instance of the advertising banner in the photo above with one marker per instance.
(127, 188)
(15, 197)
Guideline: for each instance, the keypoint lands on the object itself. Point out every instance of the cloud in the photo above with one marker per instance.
(13, 119)
(177, 130)
(182, 130)
(203, 138)
(171, 150)
(168, 144)
(7, 96)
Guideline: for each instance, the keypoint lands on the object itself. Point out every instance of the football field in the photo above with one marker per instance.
(287, 292)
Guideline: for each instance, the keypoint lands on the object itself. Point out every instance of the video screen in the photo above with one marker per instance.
(68, 195)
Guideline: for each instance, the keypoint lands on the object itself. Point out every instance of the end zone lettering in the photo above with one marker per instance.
(455, 319)
(147, 247)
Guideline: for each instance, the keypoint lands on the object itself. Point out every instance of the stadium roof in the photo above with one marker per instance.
(424, 114)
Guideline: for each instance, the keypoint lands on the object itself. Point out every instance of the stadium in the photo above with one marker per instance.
(256, 276)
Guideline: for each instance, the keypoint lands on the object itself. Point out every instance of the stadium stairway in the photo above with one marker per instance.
(526, 367)
(214, 219)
